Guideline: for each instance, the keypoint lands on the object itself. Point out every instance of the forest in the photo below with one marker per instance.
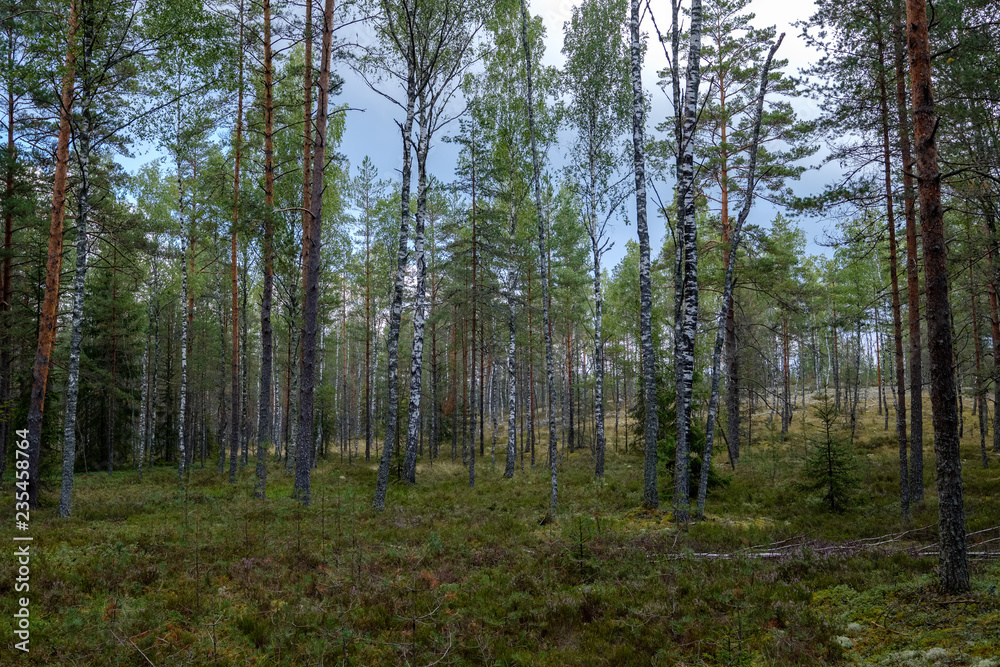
(488, 332)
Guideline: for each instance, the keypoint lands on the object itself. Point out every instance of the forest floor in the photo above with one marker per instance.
(147, 574)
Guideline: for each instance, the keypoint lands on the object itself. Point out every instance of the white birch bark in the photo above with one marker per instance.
(542, 263)
(419, 308)
(687, 327)
(76, 335)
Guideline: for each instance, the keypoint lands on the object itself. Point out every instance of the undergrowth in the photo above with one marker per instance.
(146, 573)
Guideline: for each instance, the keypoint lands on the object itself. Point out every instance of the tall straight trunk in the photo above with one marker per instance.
(396, 309)
(511, 361)
(531, 377)
(48, 320)
(835, 364)
(725, 307)
(897, 326)
(79, 282)
(264, 414)
(435, 395)
(995, 328)
(916, 475)
(6, 286)
(651, 494)
(598, 365)
(311, 265)
(954, 565)
(685, 343)
(368, 340)
(570, 433)
(223, 424)
(183, 393)
(786, 407)
(234, 434)
(419, 309)
(543, 262)
(980, 392)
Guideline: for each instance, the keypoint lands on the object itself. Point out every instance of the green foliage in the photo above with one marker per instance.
(830, 467)
(666, 440)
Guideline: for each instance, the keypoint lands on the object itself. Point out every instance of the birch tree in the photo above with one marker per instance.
(596, 73)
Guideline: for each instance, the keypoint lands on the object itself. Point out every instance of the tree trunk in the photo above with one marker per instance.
(48, 321)
(954, 565)
(685, 343)
(727, 288)
(311, 265)
(980, 392)
(995, 326)
(265, 417)
(543, 263)
(76, 335)
(897, 326)
(234, 435)
(916, 475)
(651, 493)
(419, 310)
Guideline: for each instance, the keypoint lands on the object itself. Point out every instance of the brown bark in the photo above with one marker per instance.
(311, 266)
(53, 268)
(897, 325)
(234, 435)
(954, 566)
(916, 476)
(995, 326)
(980, 402)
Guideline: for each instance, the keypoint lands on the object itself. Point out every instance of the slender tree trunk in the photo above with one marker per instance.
(897, 326)
(995, 326)
(916, 475)
(50, 303)
(6, 285)
(419, 310)
(311, 265)
(980, 392)
(685, 344)
(727, 287)
(954, 565)
(234, 435)
(76, 335)
(651, 493)
(511, 368)
(786, 408)
(598, 365)
(543, 263)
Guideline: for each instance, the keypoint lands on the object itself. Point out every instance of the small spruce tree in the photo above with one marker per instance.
(830, 465)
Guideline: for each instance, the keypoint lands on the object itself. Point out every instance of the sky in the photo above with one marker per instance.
(373, 131)
(371, 128)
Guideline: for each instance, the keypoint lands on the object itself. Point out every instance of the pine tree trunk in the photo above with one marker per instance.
(48, 321)
(897, 326)
(916, 474)
(980, 401)
(543, 263)
(234, 435)
(954, 565)
(6, 286)
(311, 262)
(995, 326)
